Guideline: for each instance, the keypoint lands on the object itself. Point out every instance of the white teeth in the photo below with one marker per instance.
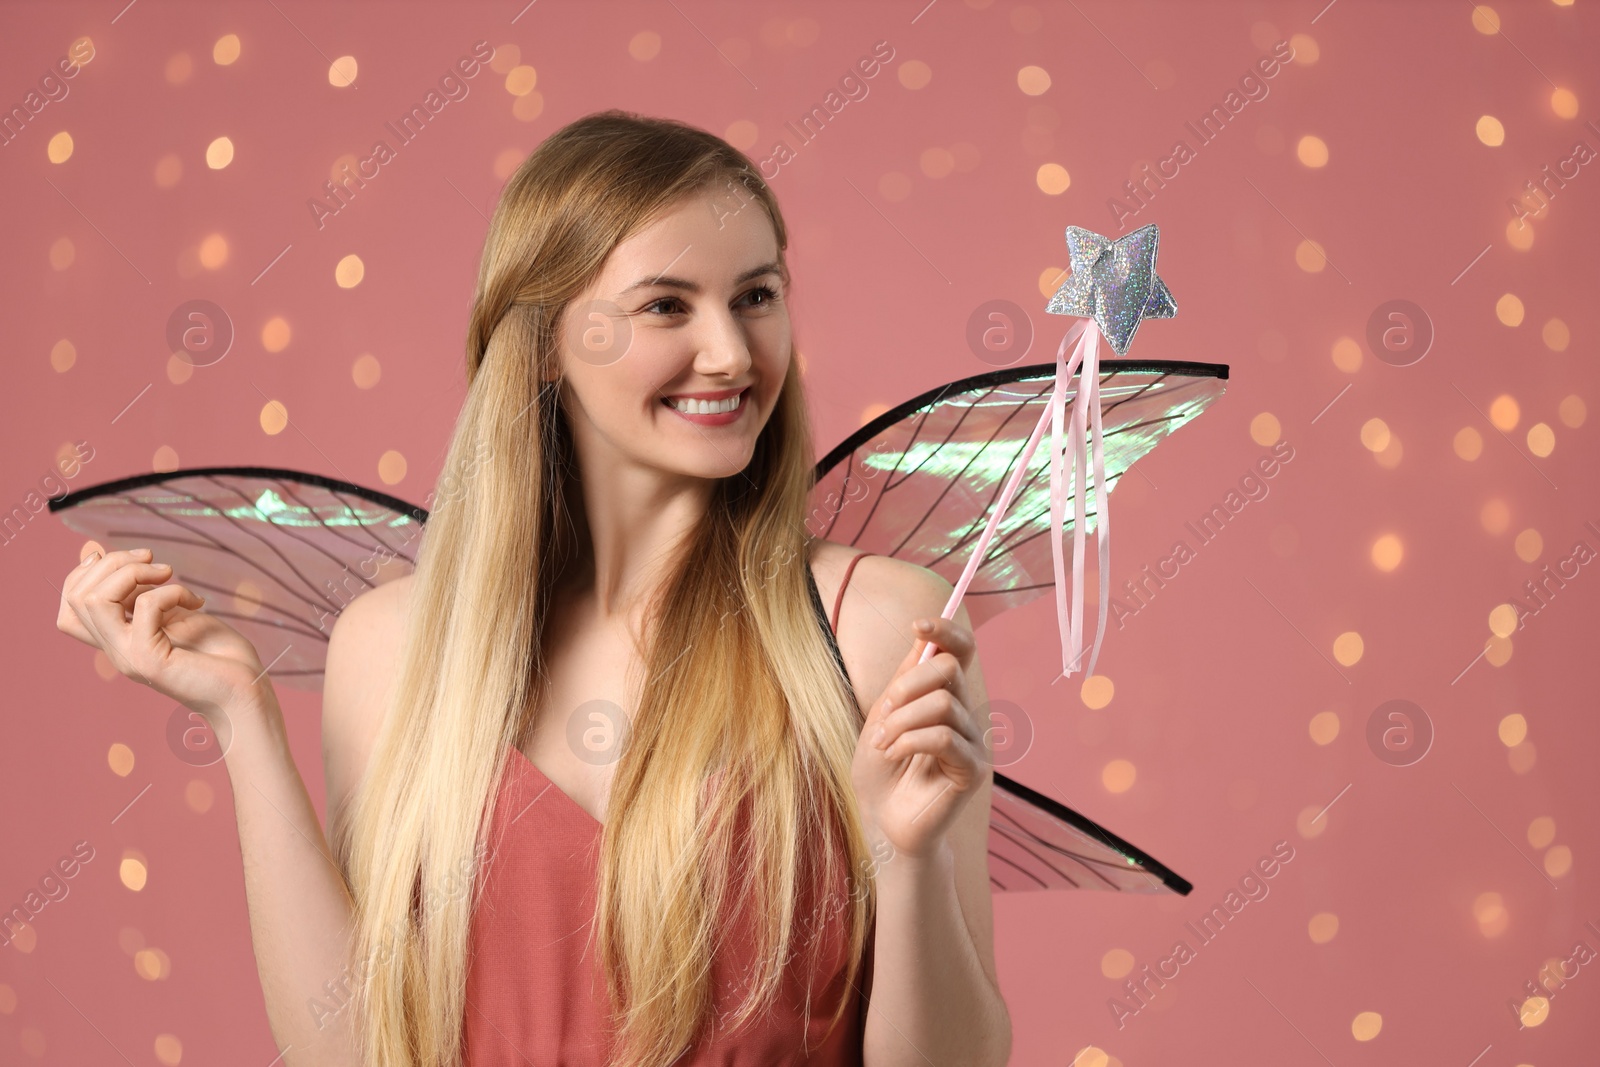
(706, 407)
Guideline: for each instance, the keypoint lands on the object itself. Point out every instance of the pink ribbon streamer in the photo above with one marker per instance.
(1085, 416)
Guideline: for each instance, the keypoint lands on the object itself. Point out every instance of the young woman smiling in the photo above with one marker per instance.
(709, 832)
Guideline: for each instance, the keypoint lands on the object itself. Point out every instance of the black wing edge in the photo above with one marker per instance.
(1006, 376)
(393, 503)
(1170, 878)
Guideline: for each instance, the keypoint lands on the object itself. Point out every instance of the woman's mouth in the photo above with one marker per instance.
(710, 412)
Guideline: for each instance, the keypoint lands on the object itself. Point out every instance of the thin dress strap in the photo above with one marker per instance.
(838, 600)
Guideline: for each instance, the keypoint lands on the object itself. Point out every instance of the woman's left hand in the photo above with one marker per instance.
(913, 781)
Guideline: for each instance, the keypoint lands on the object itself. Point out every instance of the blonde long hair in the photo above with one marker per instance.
(741, 692)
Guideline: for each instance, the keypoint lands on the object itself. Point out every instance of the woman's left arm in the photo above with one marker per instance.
(925, 786)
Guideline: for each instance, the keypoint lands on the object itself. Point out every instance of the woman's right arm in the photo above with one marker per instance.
(300, 907)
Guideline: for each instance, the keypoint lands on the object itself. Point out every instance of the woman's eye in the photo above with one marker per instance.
(663, 300)
(766, 292)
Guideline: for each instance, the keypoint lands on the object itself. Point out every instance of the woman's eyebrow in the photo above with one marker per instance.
(694, 287)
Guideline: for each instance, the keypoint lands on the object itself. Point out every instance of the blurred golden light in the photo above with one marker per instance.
(914, 74)
(1573, 411)
(1265, 429)
(1519, 234)
(527, 108)
(342, 72)
(1508, 309)
(219, 153)
(1504, 412)
(1365, 1026)
(1324, 727)
(1468, 443)
(1387, 552)
(1309, 257)
(520, 81)
(169, 170)
(644, 45)
(1489, 909)
(1312, 821)
(119, 757)
(1558, 861)
(1528, 545)
(178, 69)
(274, 417)
(1347, 355)
(1052, 179)
(133, 872)
(1490, 131)
(169, 1050)
(1503, 620)
(152, 964)
(1513, 729)
(59, 148)
(1097, 691)
(1522, 758)
(1323, 927)
(1564, 102)
(275, 334)
(1348, 648)
(198, 795)
(226, 51)
(366, 371)
(349, 271)
(1116, 963)
(1306, 51)
(1541, 439)
(214, 251)
(1033, 81)
(1312, 151)
(1118, 776)
(1485, 20)
(392, 467)
(1556, 335)
(1541, 831)
(1375, 435)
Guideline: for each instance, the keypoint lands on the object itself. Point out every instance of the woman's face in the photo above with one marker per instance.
(692, 304)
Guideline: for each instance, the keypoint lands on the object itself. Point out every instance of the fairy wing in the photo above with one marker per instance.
(278, 553)
(919, 482)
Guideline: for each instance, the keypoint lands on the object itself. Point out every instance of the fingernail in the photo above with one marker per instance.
(923, 626)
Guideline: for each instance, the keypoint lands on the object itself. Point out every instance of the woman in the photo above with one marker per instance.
(599, 786)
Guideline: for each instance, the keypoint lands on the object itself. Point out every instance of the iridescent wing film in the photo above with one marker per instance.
(919, 482)
(277, 553)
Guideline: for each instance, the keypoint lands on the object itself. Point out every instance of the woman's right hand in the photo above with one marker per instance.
(155, 633)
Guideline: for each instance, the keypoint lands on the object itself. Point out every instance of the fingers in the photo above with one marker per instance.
(943, 671)
(942, 742)
(151, 606)
(949, 635)
(940, 708)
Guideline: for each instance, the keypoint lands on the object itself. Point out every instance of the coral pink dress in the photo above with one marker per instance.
(535, 993)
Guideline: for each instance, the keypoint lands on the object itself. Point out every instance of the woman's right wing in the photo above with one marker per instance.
(277, 553)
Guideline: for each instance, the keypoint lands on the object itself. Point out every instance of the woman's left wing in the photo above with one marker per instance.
(919, 483)
(278, 553)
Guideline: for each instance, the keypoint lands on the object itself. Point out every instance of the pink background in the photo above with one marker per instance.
(916, 205)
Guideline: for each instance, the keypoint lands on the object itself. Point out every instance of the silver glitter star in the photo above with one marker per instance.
(1114, 282)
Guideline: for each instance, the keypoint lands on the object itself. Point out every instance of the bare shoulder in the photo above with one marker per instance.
(362, 651)
(884, 596)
